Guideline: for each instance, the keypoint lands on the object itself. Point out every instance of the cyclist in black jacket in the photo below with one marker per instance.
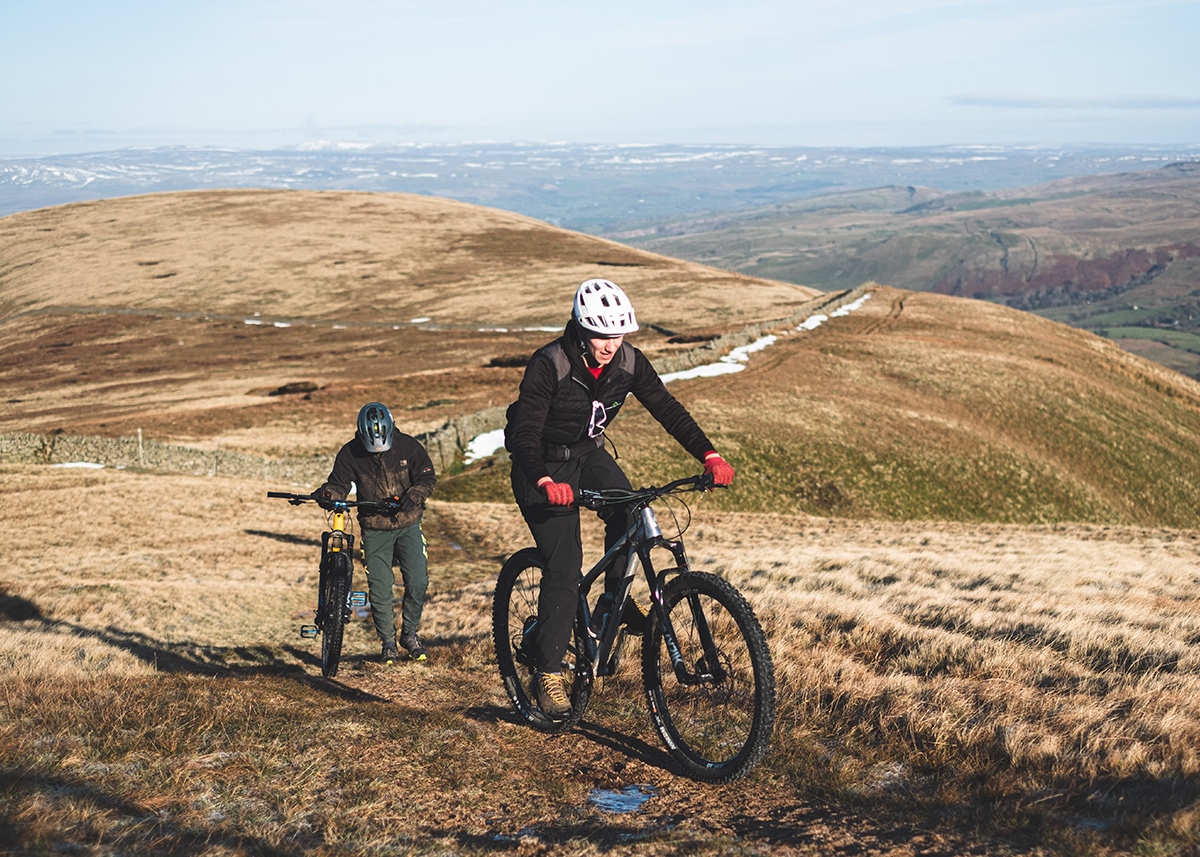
(572, 389)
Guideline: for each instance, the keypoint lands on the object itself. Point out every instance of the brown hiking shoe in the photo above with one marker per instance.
(551, 693)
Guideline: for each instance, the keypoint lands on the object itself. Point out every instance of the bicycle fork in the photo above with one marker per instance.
(335, 543)
(708, 668)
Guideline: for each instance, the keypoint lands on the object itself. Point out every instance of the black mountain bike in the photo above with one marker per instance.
(334, 596)
(706, 668)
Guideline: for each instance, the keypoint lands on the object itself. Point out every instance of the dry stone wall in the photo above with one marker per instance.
(133, 454)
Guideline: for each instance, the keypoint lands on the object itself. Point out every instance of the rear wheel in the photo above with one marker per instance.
(717, 718)
(514, 631)
(335, 592)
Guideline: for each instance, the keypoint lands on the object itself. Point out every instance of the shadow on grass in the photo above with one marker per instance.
(286, 538)
(611, 739)
(146, 825)
(14, 608)
(194, 659)
(629, 745)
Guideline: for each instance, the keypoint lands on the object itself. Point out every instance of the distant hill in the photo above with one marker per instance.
(1117, 254)
(179, 313)
(260, 321)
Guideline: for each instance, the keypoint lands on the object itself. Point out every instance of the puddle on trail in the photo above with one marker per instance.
(628, 799)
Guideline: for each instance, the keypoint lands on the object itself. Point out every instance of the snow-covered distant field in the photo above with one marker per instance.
(580, 186)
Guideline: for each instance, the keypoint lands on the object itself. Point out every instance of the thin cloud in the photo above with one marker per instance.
(1036, 103)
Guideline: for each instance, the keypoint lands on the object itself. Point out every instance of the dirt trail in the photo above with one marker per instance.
(610, 753)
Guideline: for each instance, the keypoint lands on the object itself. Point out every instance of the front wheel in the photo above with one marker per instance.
(514, 634)
(335, 593)
(717, 716)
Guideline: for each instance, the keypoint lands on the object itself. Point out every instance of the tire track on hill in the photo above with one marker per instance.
(893, 314)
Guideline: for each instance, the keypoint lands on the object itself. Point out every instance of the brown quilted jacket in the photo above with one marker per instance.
(403, 469)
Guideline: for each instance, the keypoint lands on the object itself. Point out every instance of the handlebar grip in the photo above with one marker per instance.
(280, 494)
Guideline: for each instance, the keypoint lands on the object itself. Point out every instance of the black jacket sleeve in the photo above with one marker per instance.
(342, 474)
(421, 475)
(674, 417)
(524, 435)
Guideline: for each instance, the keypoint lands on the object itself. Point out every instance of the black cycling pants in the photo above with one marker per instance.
(555, 530)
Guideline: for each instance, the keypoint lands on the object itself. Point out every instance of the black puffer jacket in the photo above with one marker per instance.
(562, 410)
(403, 469)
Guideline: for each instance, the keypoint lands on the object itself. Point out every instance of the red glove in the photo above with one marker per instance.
(558, 493)
(720, 470)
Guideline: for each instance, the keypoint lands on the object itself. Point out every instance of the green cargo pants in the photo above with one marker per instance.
(406, 547)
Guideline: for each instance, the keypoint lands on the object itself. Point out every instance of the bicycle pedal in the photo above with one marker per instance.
(308, 632)
(358, 599)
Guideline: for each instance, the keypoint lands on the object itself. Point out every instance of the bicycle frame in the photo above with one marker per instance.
(641, 537)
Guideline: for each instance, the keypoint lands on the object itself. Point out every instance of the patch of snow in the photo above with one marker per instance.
(483, 445)
(734, 361)
(850, 307)
(88, 465)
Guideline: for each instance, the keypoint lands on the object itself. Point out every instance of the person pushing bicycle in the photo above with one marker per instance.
(572, 389)
(389, 467)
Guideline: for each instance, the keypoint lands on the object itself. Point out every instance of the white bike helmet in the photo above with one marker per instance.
(602, 308)
(376, 427)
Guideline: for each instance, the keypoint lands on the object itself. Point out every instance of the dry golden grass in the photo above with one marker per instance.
(942, 688)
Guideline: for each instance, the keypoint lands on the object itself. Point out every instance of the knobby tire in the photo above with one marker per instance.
(717, 729)
(335, 590)
(516, 602)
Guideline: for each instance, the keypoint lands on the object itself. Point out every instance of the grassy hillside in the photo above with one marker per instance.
(916, 406)
(921, 406)
(1003, 680)
(943, 689)
(1076, 250)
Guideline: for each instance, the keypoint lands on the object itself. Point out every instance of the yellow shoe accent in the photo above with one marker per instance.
(551, 693)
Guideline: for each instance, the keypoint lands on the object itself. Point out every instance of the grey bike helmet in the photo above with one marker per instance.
(601, 308)
(376, 427)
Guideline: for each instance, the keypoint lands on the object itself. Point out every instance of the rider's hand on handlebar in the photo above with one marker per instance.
(558, 493)
(719, 469)
(324, 498)
(399, 505)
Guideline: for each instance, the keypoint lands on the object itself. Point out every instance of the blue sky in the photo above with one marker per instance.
(87, 76)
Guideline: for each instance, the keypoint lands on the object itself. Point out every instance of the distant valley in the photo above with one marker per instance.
(1118, 254)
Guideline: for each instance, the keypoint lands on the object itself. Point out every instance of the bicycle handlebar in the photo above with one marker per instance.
(365, 505)
(599, 498)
